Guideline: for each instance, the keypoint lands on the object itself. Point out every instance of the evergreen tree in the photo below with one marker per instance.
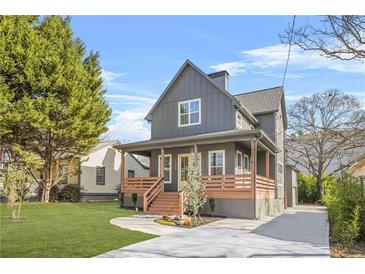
(53, 91)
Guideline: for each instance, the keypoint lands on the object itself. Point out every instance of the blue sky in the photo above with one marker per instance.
(141, 54)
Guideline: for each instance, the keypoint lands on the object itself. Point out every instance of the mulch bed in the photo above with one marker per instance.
(357, 251)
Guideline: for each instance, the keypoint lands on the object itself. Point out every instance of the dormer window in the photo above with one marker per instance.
(189, 113)
(239, 120)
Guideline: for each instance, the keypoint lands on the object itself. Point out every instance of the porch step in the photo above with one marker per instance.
(165, 203)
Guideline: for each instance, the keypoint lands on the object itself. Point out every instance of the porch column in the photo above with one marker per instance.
(253, 164)
(122, 168)
(267, 164)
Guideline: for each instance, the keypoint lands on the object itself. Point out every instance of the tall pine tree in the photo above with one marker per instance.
(53, 92)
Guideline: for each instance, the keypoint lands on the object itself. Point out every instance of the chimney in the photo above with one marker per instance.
(220, 78)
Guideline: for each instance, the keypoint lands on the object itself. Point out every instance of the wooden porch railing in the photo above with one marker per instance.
(264, 183)
(229, 186)
(137, 185)
(152, 192)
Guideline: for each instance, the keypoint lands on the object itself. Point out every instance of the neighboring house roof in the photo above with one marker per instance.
(264, 101)
(141, 160)
(96, 156)
(244, 110)
(358, 168)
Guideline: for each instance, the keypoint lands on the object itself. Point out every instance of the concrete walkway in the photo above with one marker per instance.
(298, 232)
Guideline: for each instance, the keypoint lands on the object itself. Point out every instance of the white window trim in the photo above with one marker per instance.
(224, 160)
(246, 170)
(239, 154)
(239, 126)
(179, 114)
(159, 169)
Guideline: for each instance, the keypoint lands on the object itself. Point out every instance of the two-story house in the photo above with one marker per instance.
(238, 139)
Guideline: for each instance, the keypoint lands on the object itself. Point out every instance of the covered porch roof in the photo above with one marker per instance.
(144, 147)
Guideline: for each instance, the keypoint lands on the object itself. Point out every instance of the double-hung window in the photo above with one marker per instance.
(189, 112)
(100, 175)
(239, 120)
(246, 161)
(216, 162)
(167, 168)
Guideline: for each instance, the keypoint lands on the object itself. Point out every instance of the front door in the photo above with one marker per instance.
(184, 163)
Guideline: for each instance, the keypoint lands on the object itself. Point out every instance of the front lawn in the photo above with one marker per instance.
(65, 230)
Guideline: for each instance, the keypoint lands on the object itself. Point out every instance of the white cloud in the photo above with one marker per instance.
(271, 60)
(233, 68)
(129, 125)
(131, 98)
(109, 76)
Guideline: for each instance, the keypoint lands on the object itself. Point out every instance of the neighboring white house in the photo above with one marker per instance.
(100, 172)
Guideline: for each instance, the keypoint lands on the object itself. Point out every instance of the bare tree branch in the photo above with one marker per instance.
(340, 37)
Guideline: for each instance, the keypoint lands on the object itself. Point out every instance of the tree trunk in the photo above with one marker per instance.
(320, 187)
(45, 194)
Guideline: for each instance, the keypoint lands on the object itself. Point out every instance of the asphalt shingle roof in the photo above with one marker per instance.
(261, 101)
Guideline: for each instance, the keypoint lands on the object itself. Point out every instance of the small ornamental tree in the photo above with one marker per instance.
(195, 189)
(16, 180)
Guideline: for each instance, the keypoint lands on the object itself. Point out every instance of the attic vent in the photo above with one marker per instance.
(220, 78)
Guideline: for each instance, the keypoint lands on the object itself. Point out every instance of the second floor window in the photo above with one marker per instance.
(100, 175)
(189, 113)
(239, 120)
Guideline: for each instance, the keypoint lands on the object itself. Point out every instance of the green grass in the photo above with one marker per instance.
(65, 230)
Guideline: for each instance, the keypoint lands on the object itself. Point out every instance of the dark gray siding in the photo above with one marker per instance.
(229, 160)
(217, 109)
(267, 124)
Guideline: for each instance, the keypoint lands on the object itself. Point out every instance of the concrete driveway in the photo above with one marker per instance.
(297, 232)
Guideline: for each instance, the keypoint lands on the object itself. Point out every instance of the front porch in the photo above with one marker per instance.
(238, 172)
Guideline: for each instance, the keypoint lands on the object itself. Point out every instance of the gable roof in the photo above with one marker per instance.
(264, 101)
(143, 162)
(245, 111)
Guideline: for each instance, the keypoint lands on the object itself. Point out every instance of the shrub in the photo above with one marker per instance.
(307, 190)
(70, 193)
(346, 229)
(345, 203)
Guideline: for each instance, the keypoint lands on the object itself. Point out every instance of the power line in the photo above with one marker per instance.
(290, 41)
